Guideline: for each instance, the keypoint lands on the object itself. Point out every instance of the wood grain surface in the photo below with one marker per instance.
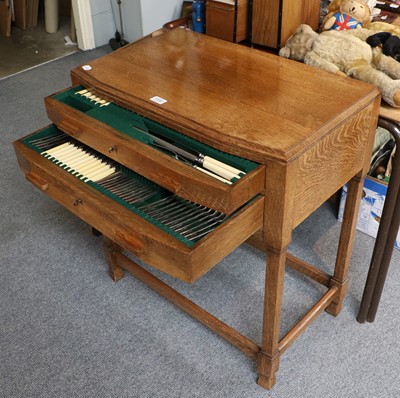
(237, 99)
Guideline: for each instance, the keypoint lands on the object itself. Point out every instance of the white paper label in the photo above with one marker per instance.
(86, 67)
(158, 100)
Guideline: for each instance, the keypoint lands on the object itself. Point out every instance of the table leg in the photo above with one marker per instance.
(277, 234)
(350, 216)
(268, 357)
(110, 250)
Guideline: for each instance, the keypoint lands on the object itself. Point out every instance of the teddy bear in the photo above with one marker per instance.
(352, 14)
(346, 53)
(377, 26)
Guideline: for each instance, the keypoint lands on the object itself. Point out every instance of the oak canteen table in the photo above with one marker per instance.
(299, 133)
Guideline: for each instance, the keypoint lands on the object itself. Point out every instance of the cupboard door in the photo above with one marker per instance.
(274, 21)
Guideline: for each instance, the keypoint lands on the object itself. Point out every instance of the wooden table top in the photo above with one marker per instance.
(241, 100)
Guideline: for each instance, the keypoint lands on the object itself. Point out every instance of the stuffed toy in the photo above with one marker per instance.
(352, 14)
(377, 26)
(346, 53)
(390, 44)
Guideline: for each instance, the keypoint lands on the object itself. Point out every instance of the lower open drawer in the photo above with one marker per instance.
(172, 234)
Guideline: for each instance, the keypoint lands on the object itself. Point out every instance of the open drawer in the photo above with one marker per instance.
(133, 141)
(166, 231)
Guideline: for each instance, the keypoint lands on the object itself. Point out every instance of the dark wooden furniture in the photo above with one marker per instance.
(227, 20)
(274, 21)
(237, 103)
(388, 229)
(5, 18)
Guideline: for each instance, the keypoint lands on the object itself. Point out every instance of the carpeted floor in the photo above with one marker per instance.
(67, 330)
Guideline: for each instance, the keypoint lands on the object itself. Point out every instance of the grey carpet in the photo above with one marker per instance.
(67, 330)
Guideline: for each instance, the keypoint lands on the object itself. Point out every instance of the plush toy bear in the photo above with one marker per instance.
(390, 44)
(346, 53)
(377, 26)
(352, 14)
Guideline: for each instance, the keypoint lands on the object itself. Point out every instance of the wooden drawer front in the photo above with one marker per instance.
(227, 21)
(121, 135)
(220, 20)
(154, 244)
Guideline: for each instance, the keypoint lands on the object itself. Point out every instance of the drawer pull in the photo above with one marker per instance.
(77, 202)
(112, 149)
(37, 181)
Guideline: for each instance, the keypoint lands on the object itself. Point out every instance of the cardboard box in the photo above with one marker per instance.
(374, 195)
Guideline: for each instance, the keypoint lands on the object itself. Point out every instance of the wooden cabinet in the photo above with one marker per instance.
(274, 21)
(227, 19)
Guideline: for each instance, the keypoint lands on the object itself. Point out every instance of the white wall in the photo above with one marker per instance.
(139, 17)
(103, 23)
(131, 18)
(155, 13)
